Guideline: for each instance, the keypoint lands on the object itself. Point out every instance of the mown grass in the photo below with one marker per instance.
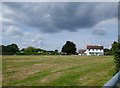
(56, 70)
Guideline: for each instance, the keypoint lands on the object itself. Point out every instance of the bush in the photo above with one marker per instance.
(27, 53)
(116, 53)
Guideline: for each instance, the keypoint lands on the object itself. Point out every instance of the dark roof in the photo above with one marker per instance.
(94, 47)
(81, 51)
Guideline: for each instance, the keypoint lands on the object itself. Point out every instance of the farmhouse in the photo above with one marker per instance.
(92, 50)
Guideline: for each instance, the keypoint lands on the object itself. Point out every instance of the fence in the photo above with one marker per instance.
(114, 82)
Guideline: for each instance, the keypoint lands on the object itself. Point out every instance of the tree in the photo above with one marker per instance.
(69, 48)
(3, 48)
(107, 51)
(39, 50)
(55, 52)
(116, 52)
(30, 49)
(23, 49)
(0, 48)
(10, 49)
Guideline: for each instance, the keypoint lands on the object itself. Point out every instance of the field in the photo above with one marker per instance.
(56, 70)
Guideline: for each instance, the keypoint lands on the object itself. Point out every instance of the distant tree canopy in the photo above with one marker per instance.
(69, 48)
(13, 49)
(39, 50)
(116, 52)
(9, 49)
(30, 49)
(107, 51)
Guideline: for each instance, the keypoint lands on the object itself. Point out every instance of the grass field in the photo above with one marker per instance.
(56, 70)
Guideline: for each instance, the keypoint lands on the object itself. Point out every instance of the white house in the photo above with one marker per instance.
(92, 50)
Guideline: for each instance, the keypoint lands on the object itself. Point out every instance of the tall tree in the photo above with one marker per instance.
(69, 48)
(116, 53)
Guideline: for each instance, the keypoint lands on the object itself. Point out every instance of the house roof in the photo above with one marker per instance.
(81, 51)
(94, 47)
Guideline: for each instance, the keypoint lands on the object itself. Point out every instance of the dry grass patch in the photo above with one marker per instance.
(51, 77)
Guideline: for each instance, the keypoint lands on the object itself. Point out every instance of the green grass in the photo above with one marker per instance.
(56, 70)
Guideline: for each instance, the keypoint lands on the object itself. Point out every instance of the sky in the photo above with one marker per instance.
(48, 25)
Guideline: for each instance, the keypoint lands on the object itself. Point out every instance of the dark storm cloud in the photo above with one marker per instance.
(54, 17)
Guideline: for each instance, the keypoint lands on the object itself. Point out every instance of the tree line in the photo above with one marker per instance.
(69, 48)
(13, 49)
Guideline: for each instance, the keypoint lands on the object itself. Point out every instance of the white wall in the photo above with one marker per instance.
(95, 51)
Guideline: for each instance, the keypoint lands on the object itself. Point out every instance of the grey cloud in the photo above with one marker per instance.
(54, 17)
(12, 31)
(100, 32)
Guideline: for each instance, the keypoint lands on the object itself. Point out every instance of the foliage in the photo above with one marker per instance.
(39, 50)
(26, 53)
(36, 51)
(116, 53)
(69, 48)
(107, 51)
(13, 49)
(55, 52)
(29, 49)
(9, 49)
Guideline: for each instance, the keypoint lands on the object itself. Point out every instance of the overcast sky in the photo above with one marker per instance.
(49, 25)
